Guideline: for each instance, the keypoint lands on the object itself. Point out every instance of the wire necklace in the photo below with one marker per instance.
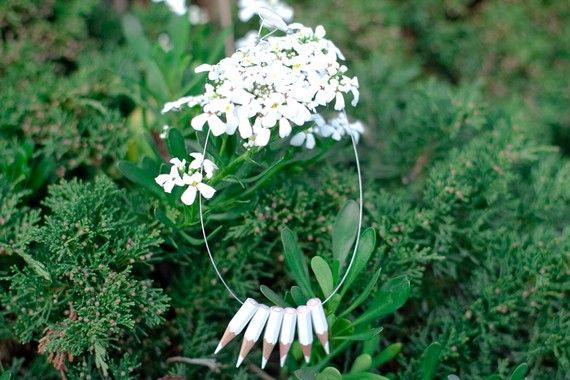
(280, 323)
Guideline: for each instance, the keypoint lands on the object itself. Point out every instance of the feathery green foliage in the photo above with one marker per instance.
(91, 296)
(464, 272)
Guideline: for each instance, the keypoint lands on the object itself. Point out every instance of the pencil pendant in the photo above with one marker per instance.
(320, 324)
(287, 333)
(305, 331)
(253, 332)
(271, 333)
(238, 322)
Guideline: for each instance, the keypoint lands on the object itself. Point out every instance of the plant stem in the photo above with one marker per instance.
(230, 168)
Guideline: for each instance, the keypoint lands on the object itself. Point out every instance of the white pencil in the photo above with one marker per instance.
(320, 324)
(253, 332)
(305, 331)
(271, 333)
(238, 322)
(287, 333)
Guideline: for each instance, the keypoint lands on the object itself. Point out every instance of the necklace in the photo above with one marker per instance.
(279, 82)
(280, 323)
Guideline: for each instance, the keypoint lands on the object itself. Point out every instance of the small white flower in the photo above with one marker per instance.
(197, 15)
(355, 129)
(216, 124)
(261, 135)
(164, 42)
(306, 138)
(168, 181)
(199, 162)
(164, 132)
(189, 101)
(250, 39)
(195, 185)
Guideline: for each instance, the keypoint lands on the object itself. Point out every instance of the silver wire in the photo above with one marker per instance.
(360, 206)
(204, 229)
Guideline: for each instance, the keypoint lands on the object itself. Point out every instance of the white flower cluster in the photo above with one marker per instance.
(335, 128)
(250, 8)
(277, 84)
(191, 176)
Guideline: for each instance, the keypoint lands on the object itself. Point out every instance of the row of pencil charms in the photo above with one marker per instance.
(279, 326)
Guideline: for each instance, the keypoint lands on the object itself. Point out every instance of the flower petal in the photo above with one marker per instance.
(206, 190)
(203, 68)
(189, 195)
(298, 139)
(339, 105)
(198, 122)
(162, 179)
(216, 125)
(262, 137)
(310, 144)
(284, 127)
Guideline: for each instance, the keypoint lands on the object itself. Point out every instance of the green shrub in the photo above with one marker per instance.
(91, 298)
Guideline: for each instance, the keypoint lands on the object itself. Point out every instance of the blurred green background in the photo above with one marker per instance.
(467, 181)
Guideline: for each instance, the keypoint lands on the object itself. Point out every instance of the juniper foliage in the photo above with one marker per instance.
(91, 296)
(467, 179)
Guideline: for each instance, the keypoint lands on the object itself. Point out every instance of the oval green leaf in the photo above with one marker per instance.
(295, 261)
(323, 274)
(361, 363)
(344, 231)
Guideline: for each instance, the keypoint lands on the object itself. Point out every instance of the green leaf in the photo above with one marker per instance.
(344, 231)
(340, 326)
(430, 360)
(134, 34)
(366, 335)
(370, 346)
(296, 261)
(364, 294)
(386, 355)
(140, 176)
(366, 245)
(155, 81)
(161, 216)
(6, 376)
(361, 363)
(329, 373)
(519, 372)
(494, 377)
(389, 298)
(323, 275)
(334, 303)
(179, 33)
(37, 267)
(272, 296)
(175, 144)
(298, 296)
(42, 172)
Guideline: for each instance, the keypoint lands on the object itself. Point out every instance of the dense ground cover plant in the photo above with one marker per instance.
(465, 269)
